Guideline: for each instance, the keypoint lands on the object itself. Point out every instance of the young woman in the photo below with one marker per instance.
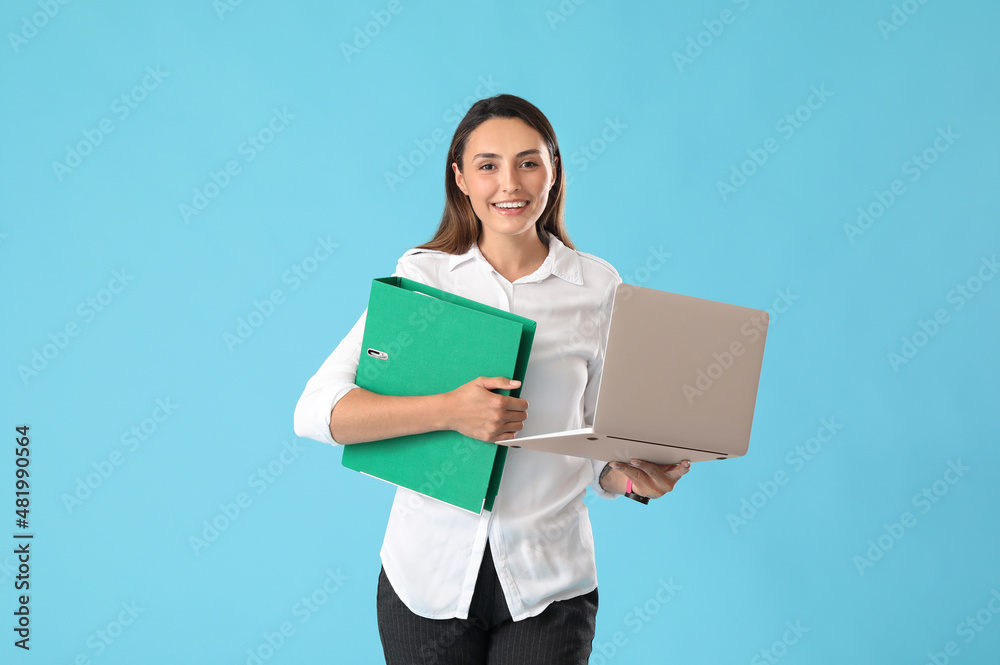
(516, 584)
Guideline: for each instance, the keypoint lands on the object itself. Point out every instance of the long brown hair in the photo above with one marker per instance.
(460, 227)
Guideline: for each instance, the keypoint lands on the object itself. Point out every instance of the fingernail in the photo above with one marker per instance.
(687, 464)
(635, 463)
(615, 465)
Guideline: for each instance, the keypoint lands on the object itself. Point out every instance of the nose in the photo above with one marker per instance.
(510, 181)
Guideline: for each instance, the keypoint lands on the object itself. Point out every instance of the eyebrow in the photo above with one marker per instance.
(493, 155)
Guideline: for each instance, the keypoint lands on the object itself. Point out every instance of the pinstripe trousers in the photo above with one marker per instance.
(561, 634)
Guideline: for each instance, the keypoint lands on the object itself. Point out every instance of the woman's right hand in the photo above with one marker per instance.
(474, 410)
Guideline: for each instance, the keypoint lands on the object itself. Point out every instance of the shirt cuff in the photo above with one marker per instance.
(596, 485)
(312, 413)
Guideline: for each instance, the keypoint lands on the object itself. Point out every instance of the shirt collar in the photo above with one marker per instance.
(561, 261)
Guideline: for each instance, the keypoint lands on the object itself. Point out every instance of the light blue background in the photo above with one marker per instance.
(682, 128)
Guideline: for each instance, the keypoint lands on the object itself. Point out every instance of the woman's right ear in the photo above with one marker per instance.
(459, 179)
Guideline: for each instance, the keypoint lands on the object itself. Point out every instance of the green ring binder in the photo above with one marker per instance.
(420, 340)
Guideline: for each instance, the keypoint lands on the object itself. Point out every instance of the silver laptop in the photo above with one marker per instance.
(679, 382)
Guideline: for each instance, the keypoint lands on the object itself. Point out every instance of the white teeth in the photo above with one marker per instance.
(512, 204)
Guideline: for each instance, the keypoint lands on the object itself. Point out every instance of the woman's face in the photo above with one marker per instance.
(507, 175)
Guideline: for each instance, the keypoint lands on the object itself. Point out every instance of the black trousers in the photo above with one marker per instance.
(562, 634)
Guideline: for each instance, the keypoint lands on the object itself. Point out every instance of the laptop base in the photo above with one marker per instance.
(586, 443)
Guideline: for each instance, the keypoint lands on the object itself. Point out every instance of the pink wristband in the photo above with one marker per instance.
(635, 497)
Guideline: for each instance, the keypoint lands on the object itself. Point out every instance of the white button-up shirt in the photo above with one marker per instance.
(539, 528)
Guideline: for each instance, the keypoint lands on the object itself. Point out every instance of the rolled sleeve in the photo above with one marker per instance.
(334, 379)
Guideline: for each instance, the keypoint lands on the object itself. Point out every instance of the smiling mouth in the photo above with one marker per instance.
(509, 205)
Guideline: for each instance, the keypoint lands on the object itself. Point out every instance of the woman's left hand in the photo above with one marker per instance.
(652, 480)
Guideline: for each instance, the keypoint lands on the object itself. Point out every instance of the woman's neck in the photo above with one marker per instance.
(514, 257)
